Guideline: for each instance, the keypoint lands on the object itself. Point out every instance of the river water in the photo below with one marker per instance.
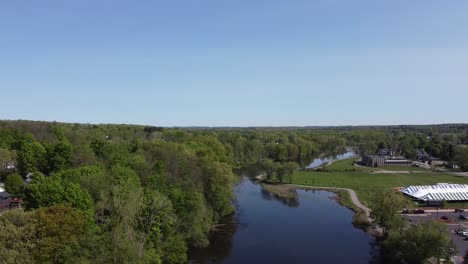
(320, 161)
(311, 228)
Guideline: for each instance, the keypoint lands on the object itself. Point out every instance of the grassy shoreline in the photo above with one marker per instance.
(343, 198)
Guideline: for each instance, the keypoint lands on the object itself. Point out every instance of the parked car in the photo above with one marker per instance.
(458, 210)
(463, 217)
(444, 217)
(460, 231)
(464, 233)
(419, 211)
(466, 237)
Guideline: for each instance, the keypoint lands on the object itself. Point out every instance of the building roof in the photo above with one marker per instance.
(4, 195)
(439, 192)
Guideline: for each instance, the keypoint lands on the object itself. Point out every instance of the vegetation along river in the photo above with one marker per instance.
(311, 228)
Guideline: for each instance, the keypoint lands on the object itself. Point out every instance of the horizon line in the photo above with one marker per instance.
(228, 126)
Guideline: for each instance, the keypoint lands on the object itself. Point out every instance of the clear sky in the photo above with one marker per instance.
(235, 63)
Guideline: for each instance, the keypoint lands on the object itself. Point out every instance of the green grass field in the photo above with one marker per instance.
(347, 165)
(368, 185)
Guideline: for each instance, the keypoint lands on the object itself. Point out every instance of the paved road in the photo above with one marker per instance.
(351, 192)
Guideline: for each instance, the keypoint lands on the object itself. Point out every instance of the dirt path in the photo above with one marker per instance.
(351, 192)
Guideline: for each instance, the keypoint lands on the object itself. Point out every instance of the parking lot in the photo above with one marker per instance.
(453, 224)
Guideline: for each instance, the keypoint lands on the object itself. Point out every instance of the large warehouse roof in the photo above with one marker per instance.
(439, 192)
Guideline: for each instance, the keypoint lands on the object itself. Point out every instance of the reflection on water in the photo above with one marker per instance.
(320, 161)
(311, 228)
(290, 202)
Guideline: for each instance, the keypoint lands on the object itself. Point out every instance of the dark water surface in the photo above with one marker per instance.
(320, 161)
(265, 229)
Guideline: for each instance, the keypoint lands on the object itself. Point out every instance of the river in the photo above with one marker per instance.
(311, 228)
(321, 161)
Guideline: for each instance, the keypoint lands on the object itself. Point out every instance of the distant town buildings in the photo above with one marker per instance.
(385, 158)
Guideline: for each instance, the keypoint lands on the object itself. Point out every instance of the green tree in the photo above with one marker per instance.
(45, 191)
(7, 156)
(386, 205)
(219, 182)
(269, 167)
(157, 224)
(420, 242)
(18, 236)
(59, 156)
(14, 184)
(60, 229)
(280, 173)
(461, 157)
(31, 156)
(367, 147)
(289, 169)
(48, 235)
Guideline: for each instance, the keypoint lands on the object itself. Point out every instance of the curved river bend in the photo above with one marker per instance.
(312, 228)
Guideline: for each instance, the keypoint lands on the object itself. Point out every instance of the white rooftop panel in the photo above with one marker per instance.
(448, 192)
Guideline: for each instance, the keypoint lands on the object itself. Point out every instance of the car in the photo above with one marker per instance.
(458, 210)
(464, 233)
(444, 217)
(419, 211)
(466, 237)
(463, 217)
(460, 231)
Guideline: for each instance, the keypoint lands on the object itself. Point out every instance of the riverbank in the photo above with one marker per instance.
(348, 198)
(345, 197)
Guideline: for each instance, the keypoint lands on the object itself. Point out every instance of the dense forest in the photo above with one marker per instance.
(143, 194)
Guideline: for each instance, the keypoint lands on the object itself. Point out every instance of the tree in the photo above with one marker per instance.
(31, 156)
(367, 147)
(14, 184)
(60, 228)
(280, 173)
(289, 169)
(7, 156)
(420, 242)
(157, 224)
(269, 167)
(18, 236)
(386, 205)
(59, 156)
(47, 235)
(45, 191)
(461, 157)
(218, 183)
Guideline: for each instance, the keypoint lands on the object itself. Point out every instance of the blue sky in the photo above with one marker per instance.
(235, 63)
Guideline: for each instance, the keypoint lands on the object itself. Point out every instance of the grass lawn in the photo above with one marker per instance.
(347, 165)
(367, 185)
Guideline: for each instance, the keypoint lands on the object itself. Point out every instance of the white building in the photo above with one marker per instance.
(439, 192)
